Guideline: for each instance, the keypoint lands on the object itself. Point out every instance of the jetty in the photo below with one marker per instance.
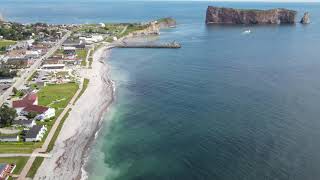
(171, 45)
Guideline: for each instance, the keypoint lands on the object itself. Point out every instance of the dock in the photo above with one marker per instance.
(171, 45)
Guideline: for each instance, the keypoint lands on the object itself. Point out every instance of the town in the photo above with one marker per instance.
(40, 79)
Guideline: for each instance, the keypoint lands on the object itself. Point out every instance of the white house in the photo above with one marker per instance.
(102, 25)
(9, 138)
(51, 112)
(36, 133)
(24, 123)
(33, 54)
(92, 39)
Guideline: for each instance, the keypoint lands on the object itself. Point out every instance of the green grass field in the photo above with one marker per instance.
(35, 166)
(82, 53)
(5, 43)
(56, 134)
(57, 95)
(18, 147)
(19, 161)
(85, 85)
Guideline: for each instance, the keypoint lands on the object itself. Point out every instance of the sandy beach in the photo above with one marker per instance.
(71, 148)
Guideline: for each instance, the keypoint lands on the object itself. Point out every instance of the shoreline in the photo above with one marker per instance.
(70, 153)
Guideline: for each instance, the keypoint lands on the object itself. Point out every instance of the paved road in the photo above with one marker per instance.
(45, 145)
(28, 73)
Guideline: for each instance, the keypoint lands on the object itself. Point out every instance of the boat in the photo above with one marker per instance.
(247, 31)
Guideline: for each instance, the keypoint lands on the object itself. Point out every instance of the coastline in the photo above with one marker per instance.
(71, 149)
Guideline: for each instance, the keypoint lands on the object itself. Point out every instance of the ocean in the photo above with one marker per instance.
(226, 106)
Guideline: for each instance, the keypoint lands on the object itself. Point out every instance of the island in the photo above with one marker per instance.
(221, 15)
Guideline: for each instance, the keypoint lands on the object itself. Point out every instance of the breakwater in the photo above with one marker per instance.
(172, 45)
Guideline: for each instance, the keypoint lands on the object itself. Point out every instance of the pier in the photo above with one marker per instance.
(171, 45)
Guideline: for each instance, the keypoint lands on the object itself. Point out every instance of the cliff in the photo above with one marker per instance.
(217, 15)
(166, 22)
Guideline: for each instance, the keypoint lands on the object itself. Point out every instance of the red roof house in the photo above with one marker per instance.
(30, 99)
(35, 109)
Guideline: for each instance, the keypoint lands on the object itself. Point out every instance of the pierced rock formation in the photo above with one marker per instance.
(217, 15)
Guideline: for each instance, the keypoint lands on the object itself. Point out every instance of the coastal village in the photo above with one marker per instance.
(41, 67)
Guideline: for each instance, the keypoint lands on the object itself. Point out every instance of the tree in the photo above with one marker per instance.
(31, 115)
(7, 115)
(14, 90)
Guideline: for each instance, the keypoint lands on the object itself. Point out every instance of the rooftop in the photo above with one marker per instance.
(27, 100)
(34, 131)
(69, 48)
(35, 109)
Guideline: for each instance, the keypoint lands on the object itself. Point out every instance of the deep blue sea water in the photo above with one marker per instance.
(225, 106)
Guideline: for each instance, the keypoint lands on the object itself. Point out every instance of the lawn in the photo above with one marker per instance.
(56, 134)
(85, 85)
(5, 43)
(35, 166)
(18, 147)
(19, 161)
(82, 53)
(57, 95)
(90, 61)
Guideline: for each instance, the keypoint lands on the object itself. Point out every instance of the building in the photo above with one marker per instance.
(69, 51)
(6, 170)
(43, 112)
(19, 61)
(53, 59)
(29, 104)
(30, 99)
(92, 39)
(24, 123)
(36, 133)
(33, 54)
(49, 113)
(71, 61)
(78, 44)
(9, 138)
(102, 25)
(53, 66)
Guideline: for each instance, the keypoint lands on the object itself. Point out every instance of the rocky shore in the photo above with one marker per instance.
(218, 15)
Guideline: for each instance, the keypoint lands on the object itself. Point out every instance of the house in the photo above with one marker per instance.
(53, 66)
(70, 43)
(54, 59)
(69, 51)
(9, 138)
(24, 123)
(102, 25)
(43, 112)
(6, 170)
(49, 113)
(92, 39)
(30, 99)
(72, 61)
(29, 104)
(36, 133)
(20, 61)
(33, 54)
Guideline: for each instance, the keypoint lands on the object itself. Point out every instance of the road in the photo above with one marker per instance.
(28, 73)
(44, 147)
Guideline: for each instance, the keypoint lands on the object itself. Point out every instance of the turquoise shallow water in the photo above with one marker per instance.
(224, 106)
